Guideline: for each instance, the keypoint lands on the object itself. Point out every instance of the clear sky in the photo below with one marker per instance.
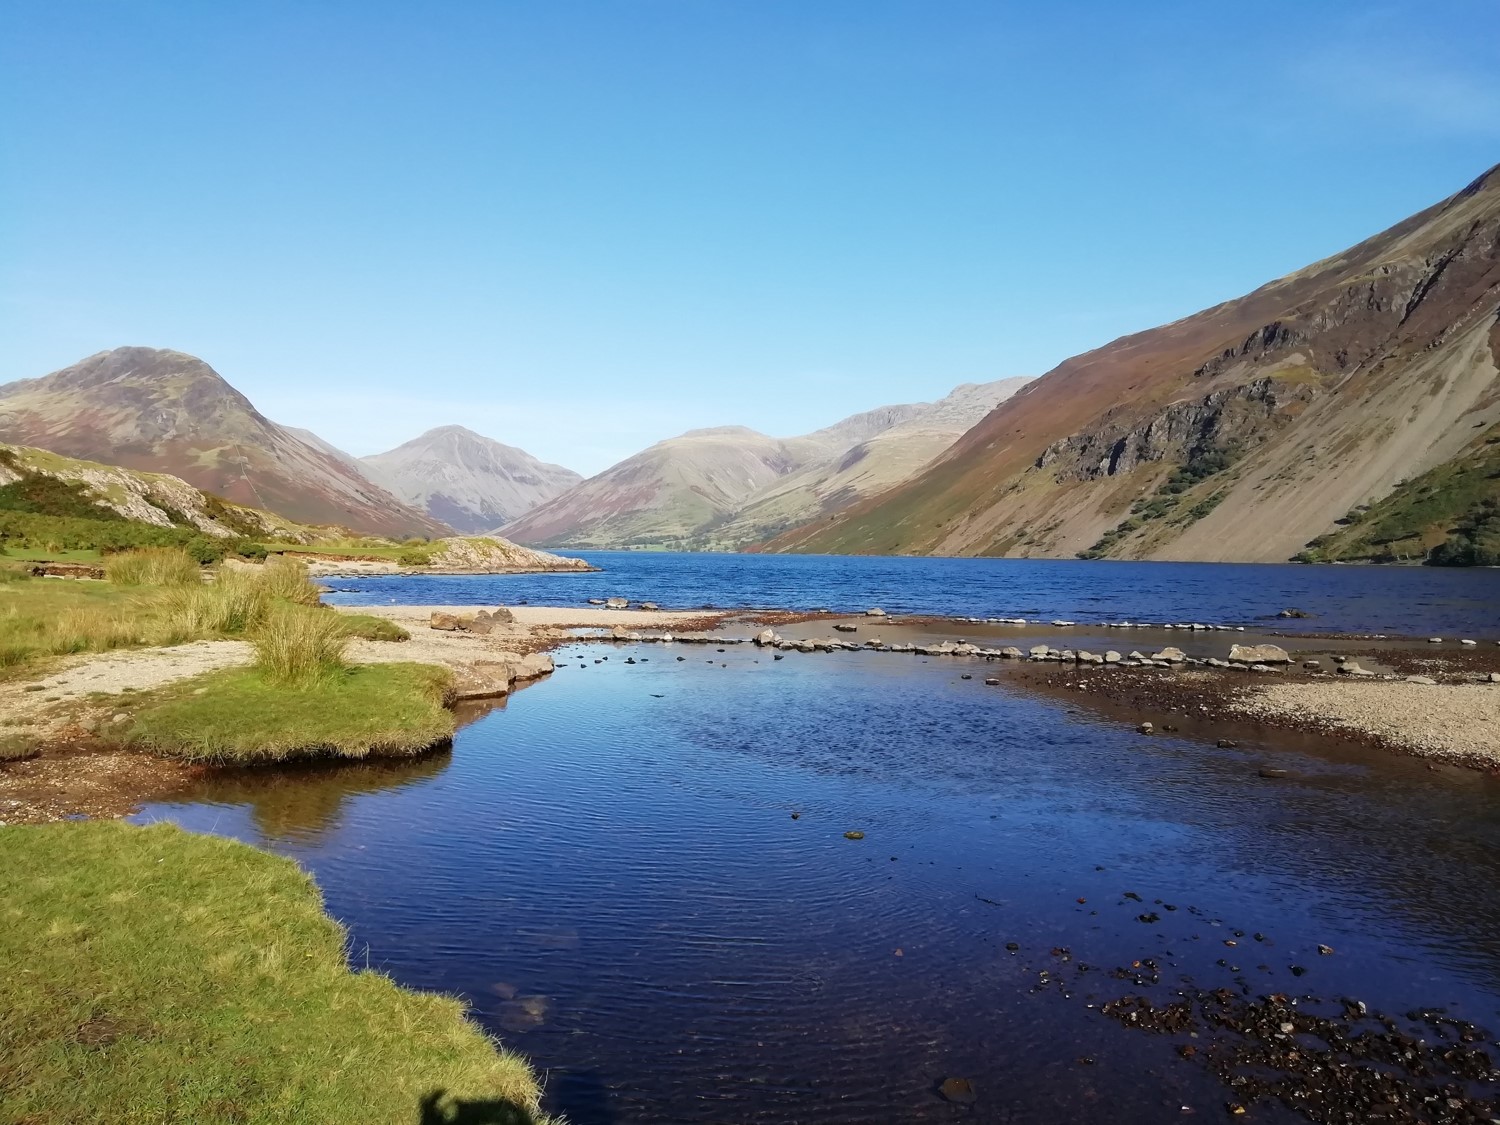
(580, 227)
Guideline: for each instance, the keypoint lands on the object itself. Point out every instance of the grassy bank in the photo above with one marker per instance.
(157, 976)
(152, 598)
(245, 716)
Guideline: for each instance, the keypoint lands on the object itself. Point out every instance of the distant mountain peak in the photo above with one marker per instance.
(467, 480)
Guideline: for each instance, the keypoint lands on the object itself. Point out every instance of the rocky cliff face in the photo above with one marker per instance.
(725, 488)
(164, 411)
(1243, 432)
(467, 481)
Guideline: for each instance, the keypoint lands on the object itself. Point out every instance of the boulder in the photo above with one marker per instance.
(1259, 654)
(1011, 652)
(1112, 657)
(1352, 668)
(650, 606)
(480, 625)
(1421, 680)
(1170, 655)
(488, 679)
(875, 612)
(501, 616)
(533, 666)
(596, 601)
(615, 603)
(843, 628)
(444, 621)
(766, 637)
(1039, 652)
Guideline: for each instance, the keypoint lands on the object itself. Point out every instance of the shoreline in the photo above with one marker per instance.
(1450, 712)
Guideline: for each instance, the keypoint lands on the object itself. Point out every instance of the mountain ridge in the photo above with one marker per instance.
(726, 487)
(1243, 432)
(164, 411)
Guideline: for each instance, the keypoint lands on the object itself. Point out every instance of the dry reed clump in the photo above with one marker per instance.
(153, 566)
(297, 646)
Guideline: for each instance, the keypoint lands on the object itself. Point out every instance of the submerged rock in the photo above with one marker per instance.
(958, 1090)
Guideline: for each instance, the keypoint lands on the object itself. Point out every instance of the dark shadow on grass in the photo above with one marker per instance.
(436, 1108)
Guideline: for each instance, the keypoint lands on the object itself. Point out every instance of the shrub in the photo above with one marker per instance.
(153, 566)
(300, 647)
(205, 549)
(414, 558)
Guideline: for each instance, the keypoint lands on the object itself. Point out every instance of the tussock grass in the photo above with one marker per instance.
(18, 746)
(42, 618)
(372, 628)
(298, 647)
(153, 566)
(287, 579)
(239, 716)
(161, 976)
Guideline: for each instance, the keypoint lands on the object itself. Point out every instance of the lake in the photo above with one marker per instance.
(1345, 599)
(638, 874)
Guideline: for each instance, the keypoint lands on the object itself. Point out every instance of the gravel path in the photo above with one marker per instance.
(37, 703)
(1454, 721)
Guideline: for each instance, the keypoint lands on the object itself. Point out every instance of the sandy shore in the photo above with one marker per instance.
(1457, 722)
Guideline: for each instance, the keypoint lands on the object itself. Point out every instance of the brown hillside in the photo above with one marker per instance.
(1240, 432)
(167, 412)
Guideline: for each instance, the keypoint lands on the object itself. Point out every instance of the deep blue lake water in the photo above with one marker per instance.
(1353, 599)
(609, 869)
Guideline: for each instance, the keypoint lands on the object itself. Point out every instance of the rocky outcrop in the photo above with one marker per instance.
(154, 498)
(495, 676)
(1225, 420)
(489, 554)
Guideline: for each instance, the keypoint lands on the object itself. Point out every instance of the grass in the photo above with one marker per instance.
(238, 716)
(38, 554)
(154, 976)
(298, 647)
(16, 747)
(42, 618)
(153, 566)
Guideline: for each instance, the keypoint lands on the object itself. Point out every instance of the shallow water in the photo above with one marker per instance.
(1357, 599)
(608, 869)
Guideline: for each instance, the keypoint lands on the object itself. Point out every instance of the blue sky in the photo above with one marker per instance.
(583, 227)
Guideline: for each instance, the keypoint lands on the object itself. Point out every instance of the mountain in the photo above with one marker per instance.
(877, 458)
(164, 411)
(724, 488)
(1348, 410)
(468, 481)
(660, 496)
